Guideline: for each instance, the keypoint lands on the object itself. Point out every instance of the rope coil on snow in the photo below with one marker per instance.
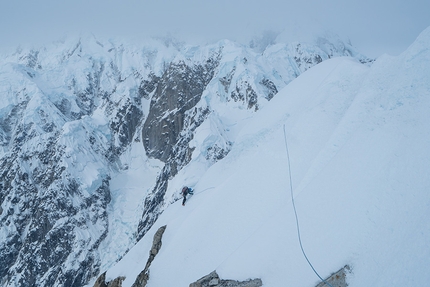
(295, 213)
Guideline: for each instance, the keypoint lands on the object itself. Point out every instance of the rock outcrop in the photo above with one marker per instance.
(117, 282)
(337, 279)
(213, 280)
(143, 276)
(101, 281)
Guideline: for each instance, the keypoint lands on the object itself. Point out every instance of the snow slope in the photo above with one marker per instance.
(358, 139)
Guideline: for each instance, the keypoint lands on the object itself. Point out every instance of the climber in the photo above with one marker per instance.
(185, 191)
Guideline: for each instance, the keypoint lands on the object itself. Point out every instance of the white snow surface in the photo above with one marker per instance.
(358, 140)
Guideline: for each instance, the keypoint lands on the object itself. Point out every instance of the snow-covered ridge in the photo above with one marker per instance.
(358, 139)
(73, 162)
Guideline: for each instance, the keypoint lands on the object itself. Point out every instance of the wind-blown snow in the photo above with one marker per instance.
(359, 142)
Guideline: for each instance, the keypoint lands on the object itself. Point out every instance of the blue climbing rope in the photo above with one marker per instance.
(295, 213)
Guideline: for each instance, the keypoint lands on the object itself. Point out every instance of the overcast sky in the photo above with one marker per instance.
(373, 26)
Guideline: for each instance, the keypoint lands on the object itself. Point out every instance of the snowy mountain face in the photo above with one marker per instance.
(93, 133)
(357, 139)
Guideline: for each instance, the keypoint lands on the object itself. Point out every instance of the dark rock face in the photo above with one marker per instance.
(170, 124)
(117, 282)
(179, 90)
(337, 279)
(143, 277)
(100, 282)
(271, 88)
(213, 280)
(246, 94)
(125, 123)
(182, 156)
(216, 153)
(147, 86)
(226, 80)
(305, 61)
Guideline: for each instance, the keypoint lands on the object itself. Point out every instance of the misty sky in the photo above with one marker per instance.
(373, 26)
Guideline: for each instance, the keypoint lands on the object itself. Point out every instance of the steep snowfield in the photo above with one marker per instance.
(359, 141)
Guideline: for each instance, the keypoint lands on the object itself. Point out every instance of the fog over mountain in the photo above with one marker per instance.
(375, 27)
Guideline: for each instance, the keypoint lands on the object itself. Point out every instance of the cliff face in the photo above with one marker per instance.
(169, 127)
(179, 90)
(71, 111)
